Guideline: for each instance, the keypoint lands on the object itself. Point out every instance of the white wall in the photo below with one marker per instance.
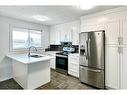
(5, 24)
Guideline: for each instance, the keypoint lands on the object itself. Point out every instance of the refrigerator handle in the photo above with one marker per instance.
(93, 70)
(89, 47)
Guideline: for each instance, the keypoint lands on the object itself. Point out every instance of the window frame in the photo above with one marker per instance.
(22, 49)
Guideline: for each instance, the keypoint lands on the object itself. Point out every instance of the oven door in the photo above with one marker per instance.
(62, 64)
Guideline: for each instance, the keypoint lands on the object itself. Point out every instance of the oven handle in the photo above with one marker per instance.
(61, 56)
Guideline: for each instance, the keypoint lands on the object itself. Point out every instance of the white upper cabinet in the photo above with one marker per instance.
(68, 32)
(95, 27)
(75, 29)
(65, 34)
(124, 32)
(57, 36)
(54, 35)
(112, 30)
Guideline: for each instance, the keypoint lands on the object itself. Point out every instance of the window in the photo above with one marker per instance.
(24, 38)
(35, 38)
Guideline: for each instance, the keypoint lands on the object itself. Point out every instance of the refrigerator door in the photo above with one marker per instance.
(93, 77)
(94, 46)
(83, 40)
(96, 50)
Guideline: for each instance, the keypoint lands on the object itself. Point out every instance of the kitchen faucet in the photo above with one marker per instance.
(29, 50)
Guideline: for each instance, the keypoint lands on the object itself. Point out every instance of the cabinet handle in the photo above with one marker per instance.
(89, 69)
(89, 47)
(87, 50)
(121, 50)
(121, 40)
(118, 49)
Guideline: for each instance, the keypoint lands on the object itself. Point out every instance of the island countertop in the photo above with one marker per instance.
(23, 58)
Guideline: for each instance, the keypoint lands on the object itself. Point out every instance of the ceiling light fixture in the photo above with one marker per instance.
(102, 19)
(40, 18)
(85, 7)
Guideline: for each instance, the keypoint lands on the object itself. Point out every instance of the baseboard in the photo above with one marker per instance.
(4, 79)
(109, 88)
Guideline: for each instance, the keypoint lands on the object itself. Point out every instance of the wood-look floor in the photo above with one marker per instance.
(58, 81)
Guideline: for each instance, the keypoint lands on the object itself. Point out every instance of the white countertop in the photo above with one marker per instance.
(74, 54)
(23, 58)
(52, 51)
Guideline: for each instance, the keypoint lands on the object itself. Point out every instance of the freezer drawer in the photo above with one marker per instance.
(93, 77)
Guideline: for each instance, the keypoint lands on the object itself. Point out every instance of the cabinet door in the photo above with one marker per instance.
(95, 27)
(124, 68)
(53, 60)
(112, 67)
(53, 63)
(75, 35)
(75, 29)
(57, 36)
(112, 32)
(65, 34)
(87, 28)
(124, 31)
(52, 38)
(73, 65)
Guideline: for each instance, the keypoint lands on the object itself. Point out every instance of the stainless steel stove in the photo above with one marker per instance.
(62, 60)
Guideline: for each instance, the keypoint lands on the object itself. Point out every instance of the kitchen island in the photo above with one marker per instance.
(30, 72)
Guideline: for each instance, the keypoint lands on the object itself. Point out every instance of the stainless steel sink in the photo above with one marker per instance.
(36, 56)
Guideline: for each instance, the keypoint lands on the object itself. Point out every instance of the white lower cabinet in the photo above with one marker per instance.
(123, 68)
(112, 67)
(53, 60)
(73, 65)
(116, 67)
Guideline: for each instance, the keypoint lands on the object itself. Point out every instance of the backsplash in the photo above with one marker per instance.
(76, 48)
(60, 47)
(54, 48)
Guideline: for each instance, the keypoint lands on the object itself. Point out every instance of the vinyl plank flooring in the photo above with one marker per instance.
(58, 81)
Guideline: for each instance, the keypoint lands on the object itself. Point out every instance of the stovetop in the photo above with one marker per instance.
(64, 53)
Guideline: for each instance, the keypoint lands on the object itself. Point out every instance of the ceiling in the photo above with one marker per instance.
(57, 14)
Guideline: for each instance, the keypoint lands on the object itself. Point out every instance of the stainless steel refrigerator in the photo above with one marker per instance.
(92, 58)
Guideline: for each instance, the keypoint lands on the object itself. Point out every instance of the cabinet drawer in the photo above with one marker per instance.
(73, 66)
(73, 59)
